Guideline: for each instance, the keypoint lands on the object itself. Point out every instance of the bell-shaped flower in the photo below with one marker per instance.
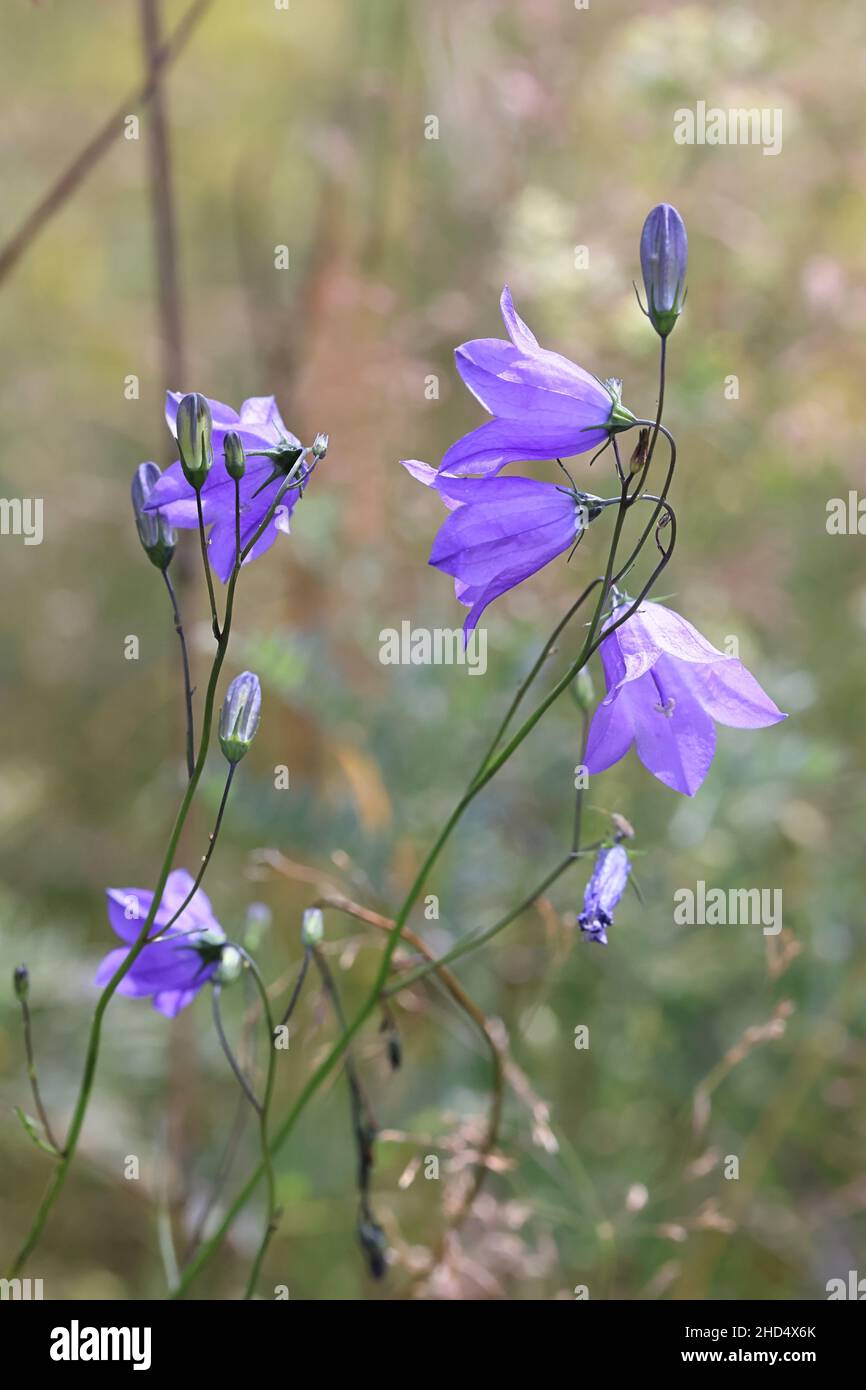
(544, 406)
(500, 531)
(667, 688)
(173, 969)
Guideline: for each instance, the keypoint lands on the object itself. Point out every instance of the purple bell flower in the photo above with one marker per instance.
(545, 407)
(667, 687)
(174, 969)
(500, 531)
(604, 890)
(258, 426)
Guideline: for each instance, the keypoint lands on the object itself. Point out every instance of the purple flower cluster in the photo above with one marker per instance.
(667, 687)
(502, 530)
(259, 426)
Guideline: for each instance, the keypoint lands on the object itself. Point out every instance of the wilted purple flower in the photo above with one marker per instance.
(666, 684)
(500, 531)
(258, 426)
(604, 890)
(664, 254)
(545, 407)
(175, 968)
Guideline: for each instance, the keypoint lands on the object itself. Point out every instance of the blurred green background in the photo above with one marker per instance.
(306, 128)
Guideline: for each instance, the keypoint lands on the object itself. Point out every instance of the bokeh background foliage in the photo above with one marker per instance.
(306, 128)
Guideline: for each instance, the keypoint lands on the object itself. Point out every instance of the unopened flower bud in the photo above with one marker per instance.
(21, 982)
(194, 438)
(156, 536)
(239, 716)
(236, 460)
(319, 446)
(230, 966)
(664, 253)
(312, 927)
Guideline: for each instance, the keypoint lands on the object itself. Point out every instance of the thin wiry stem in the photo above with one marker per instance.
(299, 985)
(187, 685)
(229, 1054)
(206, 563)
(206, 858)
(34, 1077)
(272, 1214)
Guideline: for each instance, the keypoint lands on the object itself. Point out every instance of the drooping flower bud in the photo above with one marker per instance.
(319, 446)
(236, 460)
(21, 982)
(239, 716)
(312, 927)
(604, 890)
(194, 438)
(664, 253)
(156, 536)
(230, 966)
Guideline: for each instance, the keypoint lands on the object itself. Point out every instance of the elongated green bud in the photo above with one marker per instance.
(236, 459)
(195, 438)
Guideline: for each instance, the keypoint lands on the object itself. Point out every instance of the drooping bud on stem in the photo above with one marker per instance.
(194, 438)
(157, 537)
(240, 715)
(21, 983)
(664, 254)
(319, 446)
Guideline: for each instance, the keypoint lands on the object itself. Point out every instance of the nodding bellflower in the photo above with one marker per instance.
(500, 531)
(258, 427)
(664, 255)
(171, 970)
(667, 688)
(544, 406)
(605, 888)
(157, 536)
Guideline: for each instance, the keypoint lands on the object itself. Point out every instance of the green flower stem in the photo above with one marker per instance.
(187, 684)
(206, 858)
(60, 1174)
(527, 682)
(272, 1213)
(215, 624)
(34, 1077)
